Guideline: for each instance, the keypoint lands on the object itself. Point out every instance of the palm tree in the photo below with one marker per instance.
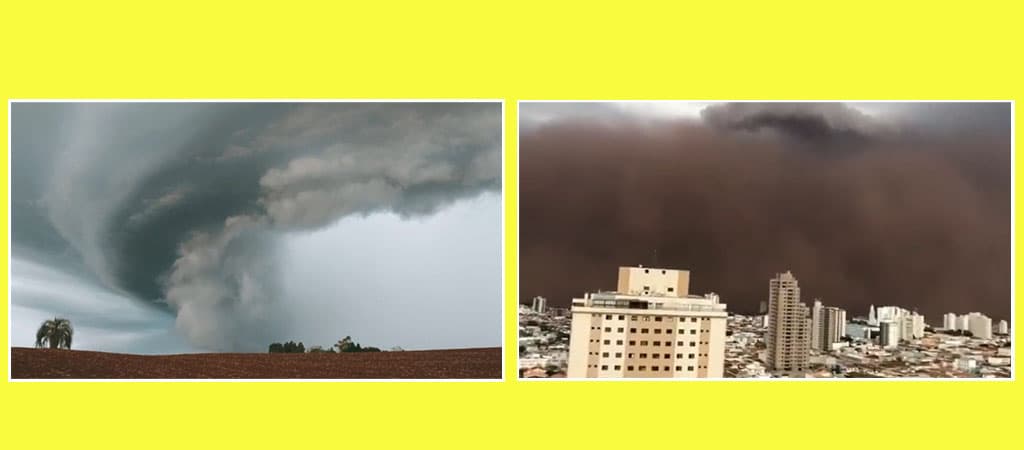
(56, 332)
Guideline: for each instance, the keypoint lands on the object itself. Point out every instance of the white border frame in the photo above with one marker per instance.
(10, 301)
(1013, 252)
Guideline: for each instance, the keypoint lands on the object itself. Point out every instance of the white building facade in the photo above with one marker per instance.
(650, 328)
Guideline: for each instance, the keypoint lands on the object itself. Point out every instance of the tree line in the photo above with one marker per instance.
(344, 345)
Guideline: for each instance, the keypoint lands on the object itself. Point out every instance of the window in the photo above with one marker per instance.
(643, 368)
(644, 330)
(655, 356)
(679, 343)
(632, 318)
(604, 355)
(667, 356)
(647, 288)
(643, 356)
(693, 344)
(618, 354)
(629, 368)
(621, 329)
(671, 289)
(618, 342)
(607, 328)
(647, 271)
(691, 356)
(663, 272)
(607, 341)
(668, 343)
(667, 368)
(668, 331)
(657, 331)
(693, 331)
(654, 368)
(679, 368)
(630, 355)
(657, 343)
(657, 319)
(647, 318)
(693, 319)
(632, 342)
(618, 367)
(632, 330)
(604, 367)
(690, 368)
(608, 317)
(622, 317)
(643, 342)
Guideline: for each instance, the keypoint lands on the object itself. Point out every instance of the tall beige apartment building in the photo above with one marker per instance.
(649, 328)
(789, 327)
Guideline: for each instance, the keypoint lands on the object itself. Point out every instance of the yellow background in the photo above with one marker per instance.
(512, 50)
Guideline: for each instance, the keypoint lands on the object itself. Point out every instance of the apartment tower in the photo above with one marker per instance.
(789, 327)
(650, 327)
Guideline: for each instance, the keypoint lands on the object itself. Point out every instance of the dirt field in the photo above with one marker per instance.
(463, 363)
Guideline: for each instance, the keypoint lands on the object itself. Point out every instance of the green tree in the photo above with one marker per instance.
(56, 333)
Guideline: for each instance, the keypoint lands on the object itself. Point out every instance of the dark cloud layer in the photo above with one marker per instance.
(913, 217)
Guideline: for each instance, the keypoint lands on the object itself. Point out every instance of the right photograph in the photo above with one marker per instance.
(772, 240)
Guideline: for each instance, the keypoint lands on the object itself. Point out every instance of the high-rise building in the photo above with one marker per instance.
(949, 321)
(817, 325)
(540, 304)
(650, 328)
(872, 316)
(834, 327)
(1004, 328)
(888, 333)
(910, 325)
(763, 307)
(979, 325)
(918, 325)
(962, 322)
(788, 337)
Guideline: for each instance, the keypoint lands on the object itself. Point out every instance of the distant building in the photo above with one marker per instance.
(817, 325)
(763, 307)
(788, 337)
(649, 328)
(949, 321)
(888, 333)
(962, 322)
(540, 304)
(872, 316)
(979, 325)
(910, 325)
(1004, 328)
(834, 326)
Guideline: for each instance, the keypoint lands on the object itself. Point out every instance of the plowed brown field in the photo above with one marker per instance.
(461, 363)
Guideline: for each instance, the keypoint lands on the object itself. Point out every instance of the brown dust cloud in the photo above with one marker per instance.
(911, 209)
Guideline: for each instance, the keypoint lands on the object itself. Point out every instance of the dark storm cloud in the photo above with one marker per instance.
(911, 217)
(819, 124)
(180, 204)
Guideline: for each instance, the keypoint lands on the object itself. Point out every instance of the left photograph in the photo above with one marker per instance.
(255, 240)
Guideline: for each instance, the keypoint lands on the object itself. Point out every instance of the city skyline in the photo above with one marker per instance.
(870, 203)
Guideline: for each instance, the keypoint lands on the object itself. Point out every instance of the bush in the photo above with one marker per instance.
(287, 347)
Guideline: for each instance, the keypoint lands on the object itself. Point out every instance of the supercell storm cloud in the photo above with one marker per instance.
(901, 204)
(182, 207)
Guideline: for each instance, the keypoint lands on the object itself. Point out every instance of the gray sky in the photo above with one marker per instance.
(185, 227)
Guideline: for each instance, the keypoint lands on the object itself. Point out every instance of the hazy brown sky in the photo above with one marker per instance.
(884, 204)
